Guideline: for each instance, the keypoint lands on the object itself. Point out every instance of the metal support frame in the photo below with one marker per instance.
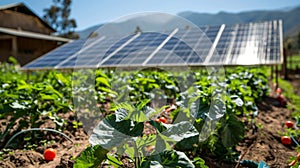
(276, 76)
(284, 65)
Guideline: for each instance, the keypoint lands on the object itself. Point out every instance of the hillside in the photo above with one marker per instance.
(291, 24)
(290, 17)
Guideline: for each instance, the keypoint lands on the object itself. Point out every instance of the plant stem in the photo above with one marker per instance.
(136, 156)
(114, 162)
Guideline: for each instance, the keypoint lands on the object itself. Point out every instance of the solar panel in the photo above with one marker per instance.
(240, 44)
(56, 56)
(144, 44)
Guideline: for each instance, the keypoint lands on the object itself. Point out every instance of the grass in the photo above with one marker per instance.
(295, 59)
(289, 93)
(294, 106)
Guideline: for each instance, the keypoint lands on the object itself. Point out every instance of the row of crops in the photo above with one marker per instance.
(150, 118)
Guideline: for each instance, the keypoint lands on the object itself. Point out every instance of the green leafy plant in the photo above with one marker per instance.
(204, 122)
(211, 104)
(123, 132)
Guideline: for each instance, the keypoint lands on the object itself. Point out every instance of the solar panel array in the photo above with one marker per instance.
(241, 44)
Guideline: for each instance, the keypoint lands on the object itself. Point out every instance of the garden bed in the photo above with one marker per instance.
(264, 144)
(247, 122)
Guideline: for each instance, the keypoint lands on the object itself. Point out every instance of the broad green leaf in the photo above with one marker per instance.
(17, 105)
(172, 87)
(155, 164)
(103, 81)
(168, 159)
(142, 104)
(172, 133)
(107, 90)
(162, 143)
(113, 161)
(62, 80)
(127, 111)
(50, 89)
(188, 143)
(232, 131)
(123, 110)
(12, 60)
(158, 126)
(137, 129)
(109, 133)
(129, 150)
(180, 131)
(217, 109)
(202, 108)
(91, 157)
(199, 163)
(100, 73)
(48, 97)
(24, 85)
(237, 100)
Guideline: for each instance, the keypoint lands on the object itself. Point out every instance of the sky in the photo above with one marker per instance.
(92, 12)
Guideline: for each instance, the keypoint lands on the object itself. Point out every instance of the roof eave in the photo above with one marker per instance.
(32, 35)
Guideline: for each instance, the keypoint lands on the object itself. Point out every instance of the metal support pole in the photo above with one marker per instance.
(284, 65)
(272, 71)
(276, 74)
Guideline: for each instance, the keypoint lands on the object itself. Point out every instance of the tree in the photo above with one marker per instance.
(58, 16)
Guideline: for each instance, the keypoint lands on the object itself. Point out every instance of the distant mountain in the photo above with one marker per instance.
(146, 22)
(291, 21)
(290, 17)
(86, 32)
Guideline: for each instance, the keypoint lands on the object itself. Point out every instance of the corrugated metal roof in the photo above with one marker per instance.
(32, 35)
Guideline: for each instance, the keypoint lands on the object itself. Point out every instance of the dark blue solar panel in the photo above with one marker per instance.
(54, 57)
(146, 40)
(70, 63)
(212, 32)
(223, 44)
(257, 42)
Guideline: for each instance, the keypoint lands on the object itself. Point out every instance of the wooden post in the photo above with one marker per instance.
(14, 47)
(290, 60)
(276, 74)
(284, 65)
(272, 71)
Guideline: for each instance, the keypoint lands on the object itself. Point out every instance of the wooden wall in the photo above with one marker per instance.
(20, 21)
(27, 49)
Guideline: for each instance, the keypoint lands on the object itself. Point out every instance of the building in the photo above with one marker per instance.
(25, 35)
